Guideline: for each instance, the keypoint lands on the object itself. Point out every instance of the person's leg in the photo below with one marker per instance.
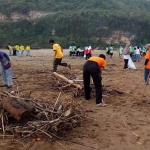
(16, 52)
(10, 53)
(76, 53)
(86, 80)
(98, 87)
(55, 64)
(86, 56)
(9, 77)
(146, 75)
(62, 64)
(125, 63)
(3, 72)
(28, 53)
(22, 52)
(70, 54)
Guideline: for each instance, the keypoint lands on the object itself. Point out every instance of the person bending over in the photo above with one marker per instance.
(94, 67)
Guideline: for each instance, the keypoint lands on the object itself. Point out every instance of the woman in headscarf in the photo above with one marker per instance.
(126, 56)
(6, 70)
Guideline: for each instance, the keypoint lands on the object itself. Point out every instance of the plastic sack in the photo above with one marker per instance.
(131, 64)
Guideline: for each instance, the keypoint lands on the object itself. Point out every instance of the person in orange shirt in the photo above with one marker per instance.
(94, 67)
(147, 64)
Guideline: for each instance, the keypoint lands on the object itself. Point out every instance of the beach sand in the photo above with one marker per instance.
(123, 125)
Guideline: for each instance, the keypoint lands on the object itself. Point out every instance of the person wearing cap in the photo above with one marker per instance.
(94, 67)
(147, 64)
(58, 55)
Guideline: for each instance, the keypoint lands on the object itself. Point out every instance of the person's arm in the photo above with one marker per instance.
(146, 61)
(7, 57)
(54, 54)
(101, 69)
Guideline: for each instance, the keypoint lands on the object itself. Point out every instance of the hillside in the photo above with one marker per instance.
(74, 21)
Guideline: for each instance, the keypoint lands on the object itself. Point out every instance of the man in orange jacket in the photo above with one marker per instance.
(94, 67)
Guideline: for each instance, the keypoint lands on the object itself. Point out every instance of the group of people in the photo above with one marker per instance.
(93, 67)
(135, 52)
(75, 51)
(18, 50)
(144, 52)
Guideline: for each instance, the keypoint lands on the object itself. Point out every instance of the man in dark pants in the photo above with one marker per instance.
(58, 51)
(93, 67)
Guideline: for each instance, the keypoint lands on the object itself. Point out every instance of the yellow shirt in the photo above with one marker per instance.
(22, 47)
(9, 47)
(17, 47)
(27, 48)
(57, 49)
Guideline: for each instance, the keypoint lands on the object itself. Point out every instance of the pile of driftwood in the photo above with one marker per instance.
(23, 117)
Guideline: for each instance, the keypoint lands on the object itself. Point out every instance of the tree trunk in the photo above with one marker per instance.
(16, 110)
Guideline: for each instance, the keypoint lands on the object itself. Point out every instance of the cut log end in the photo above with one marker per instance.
(16, 110)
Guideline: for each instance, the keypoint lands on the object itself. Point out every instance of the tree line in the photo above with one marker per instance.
(80, 22)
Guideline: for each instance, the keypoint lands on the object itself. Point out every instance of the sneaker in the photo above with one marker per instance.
(8, 87)
(69, 66)
(101, 105)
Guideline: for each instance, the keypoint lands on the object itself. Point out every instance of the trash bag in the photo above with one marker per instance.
(131, 64)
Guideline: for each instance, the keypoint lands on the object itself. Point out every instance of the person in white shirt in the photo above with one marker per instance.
(81, 51)
(137, 54)
(126, 56)
(70, 50)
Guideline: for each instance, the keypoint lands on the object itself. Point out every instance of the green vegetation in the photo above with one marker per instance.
(75, 21)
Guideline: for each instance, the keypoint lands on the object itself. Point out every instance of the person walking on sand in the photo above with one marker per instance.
(94, 67)
(147, 65)
(58, 55)
(10, 48)
(111, 51)
(137, 54)
(120, 51)
(22, 49)
(28, 48)
(17, 50)
(126, 56)
(6, 70)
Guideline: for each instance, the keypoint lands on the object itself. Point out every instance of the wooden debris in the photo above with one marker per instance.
(15, 109)
(51, 120)
(67, 80)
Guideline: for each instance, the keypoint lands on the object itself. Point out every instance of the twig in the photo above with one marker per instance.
(57, 100)
(69, 140)
(2, 120)
(61, 145)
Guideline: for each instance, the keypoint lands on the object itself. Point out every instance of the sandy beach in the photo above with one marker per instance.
(123, 125)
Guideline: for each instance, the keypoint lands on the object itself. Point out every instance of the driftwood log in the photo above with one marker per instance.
(16, 109)
(52, 119)
(67, 80)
